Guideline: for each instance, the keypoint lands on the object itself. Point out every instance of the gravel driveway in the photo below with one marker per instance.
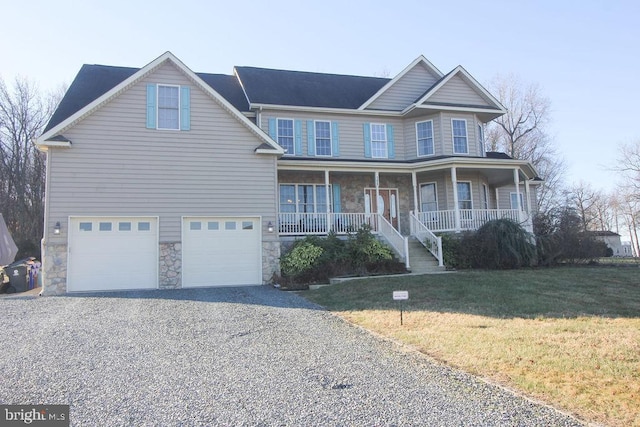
(231, 356)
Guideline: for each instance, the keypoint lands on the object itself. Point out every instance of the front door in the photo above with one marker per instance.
(386, 203)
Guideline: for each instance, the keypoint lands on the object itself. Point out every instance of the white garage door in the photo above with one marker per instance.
(112, 253)
(221, 251)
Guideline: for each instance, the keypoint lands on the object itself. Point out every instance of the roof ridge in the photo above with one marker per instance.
(309, 72)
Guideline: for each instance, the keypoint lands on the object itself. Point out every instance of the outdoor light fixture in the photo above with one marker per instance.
(270, 227)
(56, 229)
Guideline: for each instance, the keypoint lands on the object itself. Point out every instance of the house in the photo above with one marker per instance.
(163, 177)
(612, 240)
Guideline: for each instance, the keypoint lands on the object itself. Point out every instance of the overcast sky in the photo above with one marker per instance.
(585, 55)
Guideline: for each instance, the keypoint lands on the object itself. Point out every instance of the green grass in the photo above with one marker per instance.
(569, 336)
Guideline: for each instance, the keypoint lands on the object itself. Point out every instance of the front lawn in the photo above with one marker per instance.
(569, 336)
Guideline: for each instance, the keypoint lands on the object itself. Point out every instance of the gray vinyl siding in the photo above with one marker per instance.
(350, 130)
(447, 133)
(411, 137)
(117, 167)
(406, 90)
(504, 196)
(457, 91)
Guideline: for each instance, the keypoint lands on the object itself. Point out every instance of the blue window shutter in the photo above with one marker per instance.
(367, 139)
(185, 108)
(272, 130)
(151, 106)
(336, 198)
(311, 139)
(335, 140)
(391, 150)
(298, 133)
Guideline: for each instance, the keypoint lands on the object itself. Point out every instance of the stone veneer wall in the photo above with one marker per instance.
(270, 260)
(54, 269)
(170, 265)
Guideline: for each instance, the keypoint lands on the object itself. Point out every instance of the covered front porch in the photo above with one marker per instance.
(401, 200)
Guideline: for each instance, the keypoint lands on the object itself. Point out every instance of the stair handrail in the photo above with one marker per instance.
(397, 241)
(426, 237)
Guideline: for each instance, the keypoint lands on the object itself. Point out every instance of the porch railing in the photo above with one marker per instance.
(425, 236)
(322, 223)
(470, 219)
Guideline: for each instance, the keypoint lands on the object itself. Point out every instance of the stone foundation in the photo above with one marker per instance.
(270, 260)
(170, 274)
(54, 269)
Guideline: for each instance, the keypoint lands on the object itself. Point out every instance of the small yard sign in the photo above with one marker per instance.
(400, 296)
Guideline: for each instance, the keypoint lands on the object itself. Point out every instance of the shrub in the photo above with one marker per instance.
(302, 257)
(503, 244)
(365, 249)
(314, 259)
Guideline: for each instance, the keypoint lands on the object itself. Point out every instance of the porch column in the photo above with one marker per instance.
(326, 195)
(456, 207)
(414, 181)
(527, 196)
(376, 177)
(516, 180)
(497, 198)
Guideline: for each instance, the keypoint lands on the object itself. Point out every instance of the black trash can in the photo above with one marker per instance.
(18, 273)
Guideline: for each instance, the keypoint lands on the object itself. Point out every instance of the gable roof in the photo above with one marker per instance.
(97, 84)
(305, 89)
(473, 84)
(419, 60)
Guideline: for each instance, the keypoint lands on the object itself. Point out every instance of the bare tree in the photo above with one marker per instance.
(629, 166)
(24, 112)
(522, 133)
(588, 204)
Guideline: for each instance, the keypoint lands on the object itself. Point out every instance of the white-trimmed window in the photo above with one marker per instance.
(424, 136)
(480, 130)
(379, 147)
(285, 135)
(514, 201)
(428, 197)
(464, 195)
(323, 138)
(168, 107)
(459, 132)
(303, 198)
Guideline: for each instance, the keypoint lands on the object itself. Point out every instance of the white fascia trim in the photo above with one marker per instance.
(44, 146)
(324, 110)
(473, 82)
(480, 163)
(451, 108)
(420, 59)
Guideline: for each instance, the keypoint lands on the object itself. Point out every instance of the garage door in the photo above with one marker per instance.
(112, 253)
(221, 251)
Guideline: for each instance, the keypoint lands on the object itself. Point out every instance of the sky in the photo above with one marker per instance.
(584, 55)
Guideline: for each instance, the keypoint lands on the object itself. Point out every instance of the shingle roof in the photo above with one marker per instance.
(305, 89)
(93, 81)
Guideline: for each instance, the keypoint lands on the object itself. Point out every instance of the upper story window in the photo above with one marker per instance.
(285, 135)
(379, 141)
(424, 134)
(323, 138)
(459, 131)
(168, 107)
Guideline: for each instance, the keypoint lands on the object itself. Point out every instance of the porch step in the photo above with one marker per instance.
(421, 260)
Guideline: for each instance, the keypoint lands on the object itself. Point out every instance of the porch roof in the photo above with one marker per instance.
(498, 169)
